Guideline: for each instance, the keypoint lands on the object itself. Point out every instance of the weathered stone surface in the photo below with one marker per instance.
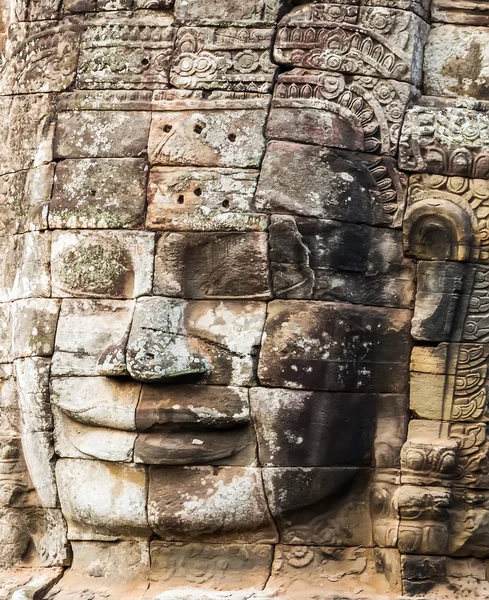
(213, 340)
(379, 42)
(102, 264)
(97, 401)
(299, 429)
(35, 537)
(203, 12)
(28, 140)
(73, 439)
(209, 504)
(440, 285)
(105, 570)
(97, 134)
(326, 346)
(5, 333)
(210, 265)
(466, 12)
(308, 181)
(29, 581)
(102, 193)
(209, 566)
(38, 449)
(184, 198)
(34, 322)
(329, 260)
(445, 140)
(126, 52)
(40, 57)
(32, 376)
(446, 218)
(469, 449)
(228, 58)
(207, 136)
(102, 501)
(87, 329)
(16, 489)
(194, 424)
(319, 506)
(24, 199)
(24, 266)
(456, 62)
(335, 571)
(342, 111)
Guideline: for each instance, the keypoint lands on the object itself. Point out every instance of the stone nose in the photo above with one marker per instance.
(157, 348)
(160, 356)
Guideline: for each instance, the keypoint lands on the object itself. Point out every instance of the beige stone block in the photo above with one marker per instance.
(34, 322)
(102, 264)
(101, 500)
(202, 199)
(97, 401)
(87, 329)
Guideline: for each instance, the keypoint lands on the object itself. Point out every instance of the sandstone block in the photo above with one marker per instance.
(9, 405)
(102, 264)
(15, 486)
(335, 347)
(32, 376)
(102, 193)
(208, 138)
(438, 226)
(34, 323)
(97, 401)
(308, 181)
(105, 570)
(193, 199)
(97, 134)
(343, 111)
(28, 269)
(445, 140)
(86, 329)
(437, 300)
(210, 265)
(203, 12)
(28, 140)
(463, 12)
(209, 566)
(374, 41)
(38, 449)
(131, 51)
(328, 260)
(36, 49)
(24, 199)
(192, 424)
(209, 504)
(456, 62)
(300, 429)
(336, 571)
(229, 58)
(214, 341)
(5, 333)
(102, 501)
(104, 100)
(318, 506)
(73, 439)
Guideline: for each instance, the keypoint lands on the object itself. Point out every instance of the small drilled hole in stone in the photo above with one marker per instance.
(198, 192)
(199, 128)
(150, 356)
(232, 137)
(93, 192)
(145, 62)
(180, 199)
(225, 203)
(167, 128)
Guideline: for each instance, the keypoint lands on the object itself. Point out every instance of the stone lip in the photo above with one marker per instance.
(185, 426)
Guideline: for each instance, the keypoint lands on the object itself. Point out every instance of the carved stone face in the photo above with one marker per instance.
(214, 271)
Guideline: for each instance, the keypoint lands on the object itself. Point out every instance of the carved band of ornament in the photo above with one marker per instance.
(336, 50)
(132, 36)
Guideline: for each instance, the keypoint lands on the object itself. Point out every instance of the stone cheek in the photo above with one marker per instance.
(335, 347)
